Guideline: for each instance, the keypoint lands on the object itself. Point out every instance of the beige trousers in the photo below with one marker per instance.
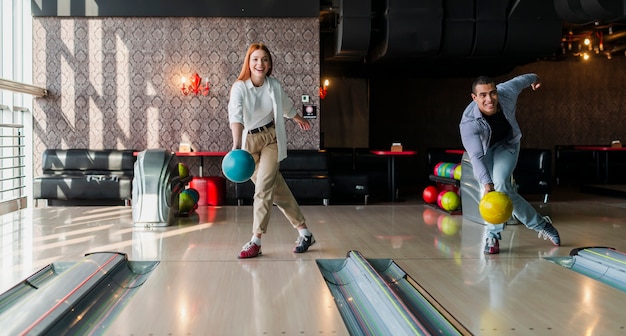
(269, 185)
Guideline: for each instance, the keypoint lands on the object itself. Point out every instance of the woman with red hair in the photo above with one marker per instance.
(257, 109)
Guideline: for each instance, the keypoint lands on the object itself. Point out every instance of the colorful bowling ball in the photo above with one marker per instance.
(436, 168)
(495, 207)
(430, 194)
(457, 172)
(449, 225)
(440, 197)
(450, 170)
(183, 170)
(450, 201)
(193, 193)
(442, 169)
(186, 202)
(238, 165)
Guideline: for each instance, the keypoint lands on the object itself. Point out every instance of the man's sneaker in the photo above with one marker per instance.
(250, 250)
(303, 243)
(492, 245)
(550, 232)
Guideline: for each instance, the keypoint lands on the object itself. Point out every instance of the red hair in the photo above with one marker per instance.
(245, 69)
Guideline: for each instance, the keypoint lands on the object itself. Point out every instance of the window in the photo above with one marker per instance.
(15, 106)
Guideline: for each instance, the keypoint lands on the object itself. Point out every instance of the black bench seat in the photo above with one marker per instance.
(85, 177)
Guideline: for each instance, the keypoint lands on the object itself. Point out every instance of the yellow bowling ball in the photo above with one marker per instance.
(457, 172)
(495, 207)
(186, 202)
(183, 171)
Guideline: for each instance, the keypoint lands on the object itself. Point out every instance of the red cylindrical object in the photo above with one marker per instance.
(216, 190)
(212, 189)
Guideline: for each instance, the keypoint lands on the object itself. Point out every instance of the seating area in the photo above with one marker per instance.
(328, 176)
(577, 165)
(533, 174)
(104, 177)
(306, 174)
(574, 167)
(350, 183)
(85, 177)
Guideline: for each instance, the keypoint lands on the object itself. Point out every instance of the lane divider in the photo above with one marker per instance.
(376, 297)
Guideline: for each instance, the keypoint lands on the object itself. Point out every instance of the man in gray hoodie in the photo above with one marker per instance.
(491, 137)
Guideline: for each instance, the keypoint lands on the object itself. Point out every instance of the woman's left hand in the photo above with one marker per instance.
(303, 123)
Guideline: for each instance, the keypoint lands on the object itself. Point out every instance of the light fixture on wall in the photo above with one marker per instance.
(195, 85)
(585, 40)
(324, 89)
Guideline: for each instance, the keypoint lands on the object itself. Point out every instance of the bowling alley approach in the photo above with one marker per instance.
(397, 268)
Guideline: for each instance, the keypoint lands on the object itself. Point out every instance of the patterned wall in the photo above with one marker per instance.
(115, 82)
(579, 103)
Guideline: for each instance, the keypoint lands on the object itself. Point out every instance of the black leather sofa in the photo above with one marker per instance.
(85, 177)
(579, 167)
(574, 167)
(306, 174)
(349, 183)
(533, 174)
(375, 167)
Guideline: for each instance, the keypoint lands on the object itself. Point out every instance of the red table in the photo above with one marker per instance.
(455, 151)
(605, 150)
(391, 168)
(201, 155)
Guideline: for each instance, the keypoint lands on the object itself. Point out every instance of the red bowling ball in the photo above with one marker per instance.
(430, 194)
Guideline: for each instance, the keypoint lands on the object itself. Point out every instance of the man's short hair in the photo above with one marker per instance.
(481, 80)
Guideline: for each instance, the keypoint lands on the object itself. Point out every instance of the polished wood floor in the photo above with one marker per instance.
(201, 288)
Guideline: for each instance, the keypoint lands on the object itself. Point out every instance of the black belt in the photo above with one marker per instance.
(262, 128)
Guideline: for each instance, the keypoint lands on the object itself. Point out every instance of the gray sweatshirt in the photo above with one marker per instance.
(476, 133)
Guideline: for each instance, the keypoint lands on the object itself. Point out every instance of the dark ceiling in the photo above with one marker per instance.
(448, 36)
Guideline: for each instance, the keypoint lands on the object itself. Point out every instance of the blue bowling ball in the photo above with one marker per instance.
(193, 193)
(238, 165)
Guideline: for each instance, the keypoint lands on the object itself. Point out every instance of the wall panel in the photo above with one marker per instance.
(114, 82)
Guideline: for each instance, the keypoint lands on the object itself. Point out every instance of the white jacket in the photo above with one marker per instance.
(241, 107)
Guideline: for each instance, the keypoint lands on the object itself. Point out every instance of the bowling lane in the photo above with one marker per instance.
(248, 297)
(521, 296)
(199, 278)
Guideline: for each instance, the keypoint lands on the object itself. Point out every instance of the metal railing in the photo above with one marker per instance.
(12, 159)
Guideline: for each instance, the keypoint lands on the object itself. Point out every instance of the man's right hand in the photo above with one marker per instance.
(489, 187)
